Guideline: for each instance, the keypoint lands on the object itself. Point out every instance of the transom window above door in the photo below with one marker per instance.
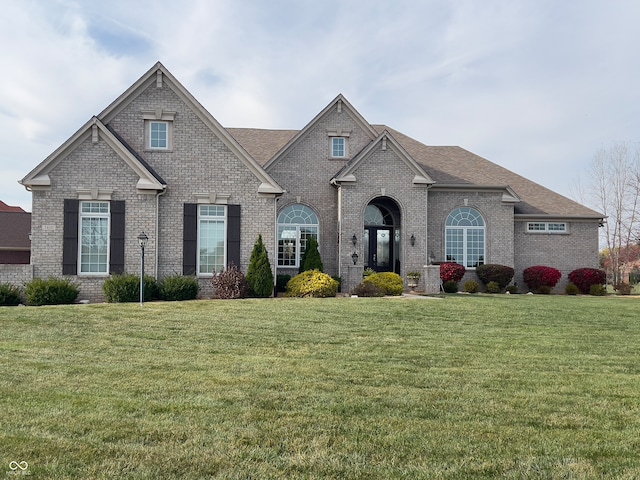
(296, 224)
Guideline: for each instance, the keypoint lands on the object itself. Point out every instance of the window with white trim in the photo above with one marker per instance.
(338, 147)
(465, 237)
(296, 224)
(159, 135)
(212, 234)
(547, 227)
(93, 254)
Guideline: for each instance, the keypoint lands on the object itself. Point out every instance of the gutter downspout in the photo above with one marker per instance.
(158, 195)
(336, 184)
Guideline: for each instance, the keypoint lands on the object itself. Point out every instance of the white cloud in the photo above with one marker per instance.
(536, 86)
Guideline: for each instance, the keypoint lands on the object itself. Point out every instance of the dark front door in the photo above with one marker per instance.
(378, 244)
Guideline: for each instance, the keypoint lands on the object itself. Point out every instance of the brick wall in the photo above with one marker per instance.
(566, 252)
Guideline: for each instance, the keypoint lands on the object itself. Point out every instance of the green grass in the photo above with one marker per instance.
(518, 386)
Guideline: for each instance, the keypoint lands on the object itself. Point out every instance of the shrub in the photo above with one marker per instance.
(367, 289)
(126, 288)
(230, 283)
(583, 278)
(259, 274)
(491, 272)
(451, 271)
(339, 280)
(571, 289)
(368, 271)
(450, 286)
(281, 282)
(623, 288)
(634, 276)
(178, 288)
(471, 286)
(544, 290)
(598, 290)
(540, 276)
(512, 288)
(312, 283)
(311, 257)
(390, 283)
(493, 287)
(53, 291)
(10, 295)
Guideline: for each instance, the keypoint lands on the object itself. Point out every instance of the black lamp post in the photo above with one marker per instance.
(142, 241)
(354, 257)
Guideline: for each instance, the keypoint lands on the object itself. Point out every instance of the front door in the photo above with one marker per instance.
(378, 246)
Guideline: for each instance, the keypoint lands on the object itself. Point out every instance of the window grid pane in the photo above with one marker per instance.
(296, 223)
(287, 243)
(158, 135)
(337, 147)
(211, 238)
(94, 237)
(465, 237)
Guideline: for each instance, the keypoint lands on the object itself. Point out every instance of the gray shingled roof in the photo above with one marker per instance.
(447, 165)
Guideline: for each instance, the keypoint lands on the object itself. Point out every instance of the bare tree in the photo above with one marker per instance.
(613, 188)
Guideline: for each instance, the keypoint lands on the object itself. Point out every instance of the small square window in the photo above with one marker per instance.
(158, 135)
(338, 147)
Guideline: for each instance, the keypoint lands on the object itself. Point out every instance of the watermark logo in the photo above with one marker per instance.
(18, 468)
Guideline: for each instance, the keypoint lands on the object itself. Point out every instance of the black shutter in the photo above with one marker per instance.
(70, 237)
(116, 260)
(190, 239)
(233, 235)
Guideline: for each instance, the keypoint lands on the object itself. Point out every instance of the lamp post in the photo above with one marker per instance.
(142, 241)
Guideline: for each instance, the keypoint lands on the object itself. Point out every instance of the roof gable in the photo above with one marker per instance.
(160, 76)
(39, 178)
(384, 141)
(340, 104)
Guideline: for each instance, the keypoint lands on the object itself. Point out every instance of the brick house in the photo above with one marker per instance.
(15, 233)
(157, 161)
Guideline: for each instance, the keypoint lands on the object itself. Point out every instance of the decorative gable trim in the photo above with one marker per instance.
(161, 77)
(384, 141)
(38, 178)
(341, 105)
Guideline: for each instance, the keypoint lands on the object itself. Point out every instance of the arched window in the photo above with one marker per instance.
(296, 223)
(465, 237)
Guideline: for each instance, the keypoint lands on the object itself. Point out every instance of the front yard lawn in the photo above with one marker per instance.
(463, 387)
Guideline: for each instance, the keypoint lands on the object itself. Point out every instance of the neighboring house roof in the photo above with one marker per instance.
(8, 208)
(14, 230)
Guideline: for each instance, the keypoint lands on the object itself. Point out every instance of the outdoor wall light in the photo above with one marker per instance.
(354, 257)
(354, 239)
(142, 241)
(432, 258)
(413, 240)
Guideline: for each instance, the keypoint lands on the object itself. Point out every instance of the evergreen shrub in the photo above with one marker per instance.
(281, 282)
(583, 278)
(178, 288)
(52, 291)
(571, 289)
(450, 286)
(259, 274)
(125, 288)
(312, 283)
(311, 257)
(389, 282)
(10, 295)
(471, 286)
(598, 290)
(493, 287)
(230, 283)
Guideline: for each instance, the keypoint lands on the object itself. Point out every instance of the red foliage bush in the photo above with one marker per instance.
(451, 271)
(540, 276)
(583, 278)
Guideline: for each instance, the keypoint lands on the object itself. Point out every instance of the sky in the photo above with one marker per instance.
(536, 86)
